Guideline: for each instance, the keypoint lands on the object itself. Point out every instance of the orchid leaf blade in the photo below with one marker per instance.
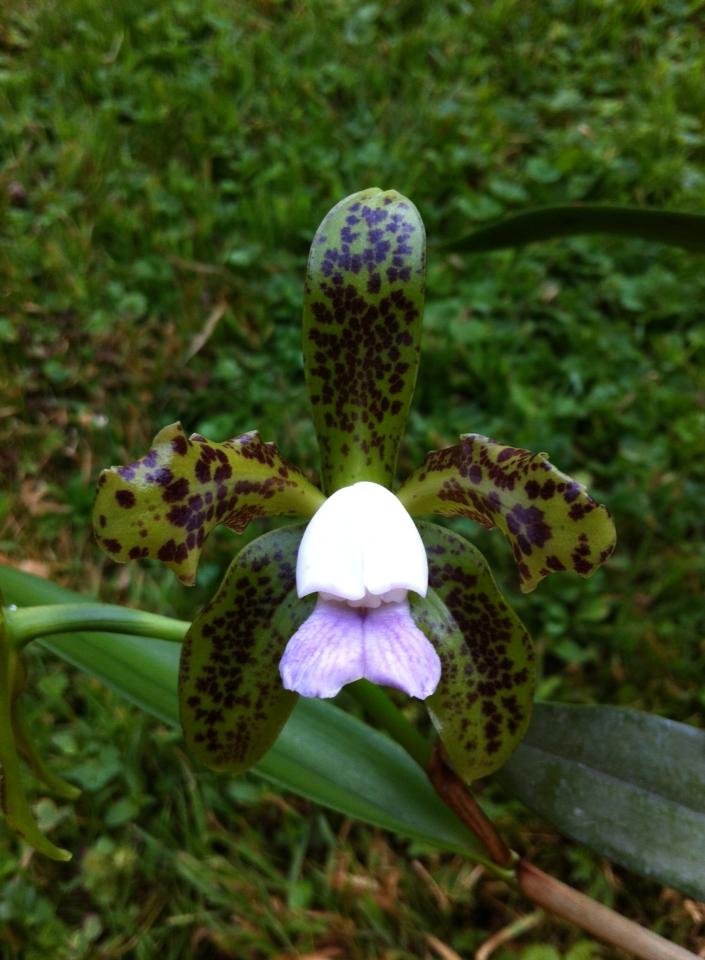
(482, 705)
(363, 303)
(551, 522)
(13, 798)
(232, 702)
(334, 759)
(628, 784)
(358, 771)
(166, 504)
(685, 230)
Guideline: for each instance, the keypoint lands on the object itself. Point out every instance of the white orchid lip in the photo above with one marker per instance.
(361, 554)
(361, 546)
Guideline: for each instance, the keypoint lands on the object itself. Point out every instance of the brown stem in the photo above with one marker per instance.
(605, 924)
(458, 797)
(543, 890)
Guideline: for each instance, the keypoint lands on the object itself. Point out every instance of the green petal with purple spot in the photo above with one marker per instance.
(231, 698)
(550, 521)
(363, 305)
(165, 505)
(482, 705)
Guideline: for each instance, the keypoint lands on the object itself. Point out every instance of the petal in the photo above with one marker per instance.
(394, 556)
(166, 504)
(363, 302)
(397, 654)
(326, 652)
(231, 699)
(482, 705)
(330, 556)
(550, 521)
(361, 541)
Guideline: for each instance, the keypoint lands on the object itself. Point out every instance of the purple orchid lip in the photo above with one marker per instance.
(339, 643)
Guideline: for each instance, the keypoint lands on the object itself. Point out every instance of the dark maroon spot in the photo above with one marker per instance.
(125, 498)
(572, 492)
(180, 445)
(532, 489)
(178, 490)
(167, 551)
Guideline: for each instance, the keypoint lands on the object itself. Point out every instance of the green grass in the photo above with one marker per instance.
(162, 170)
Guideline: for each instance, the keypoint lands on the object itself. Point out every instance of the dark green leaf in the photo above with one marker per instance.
(627, 784)
(662, 226)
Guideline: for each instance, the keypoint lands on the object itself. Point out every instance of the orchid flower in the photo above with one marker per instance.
(360, 589)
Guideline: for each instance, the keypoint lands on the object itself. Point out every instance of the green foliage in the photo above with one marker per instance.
(626, 783)
(162, 169)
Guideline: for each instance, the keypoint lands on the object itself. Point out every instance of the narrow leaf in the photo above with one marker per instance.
(482, 705)
(13, 799)
(322, 752)
(165, 505)
(232, 701)
(550, 521)
(627, 784)
(662, 226)
(361, 327)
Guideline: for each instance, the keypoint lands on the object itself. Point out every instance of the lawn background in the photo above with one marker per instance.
(163, 167)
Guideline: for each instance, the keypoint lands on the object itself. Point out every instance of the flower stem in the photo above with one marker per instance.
(456, 795)
(593, 917)
(24, 624)
(379, 706)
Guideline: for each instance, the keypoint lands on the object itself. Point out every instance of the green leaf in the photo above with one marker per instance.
(627, 784)
(13, 799)
(232, 701)
(37, 765)
(363, 305)
(482, 705)
(322, 753)
(329, 757)
(96, 772)
(550, 521)
(662, 226)
(165, 505)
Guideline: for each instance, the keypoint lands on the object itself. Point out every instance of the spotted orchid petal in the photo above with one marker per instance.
(550, 520)
(165, 505)
(361, 327)
(231, 698)
(339, 643)
(482, 705)
(361, 545)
